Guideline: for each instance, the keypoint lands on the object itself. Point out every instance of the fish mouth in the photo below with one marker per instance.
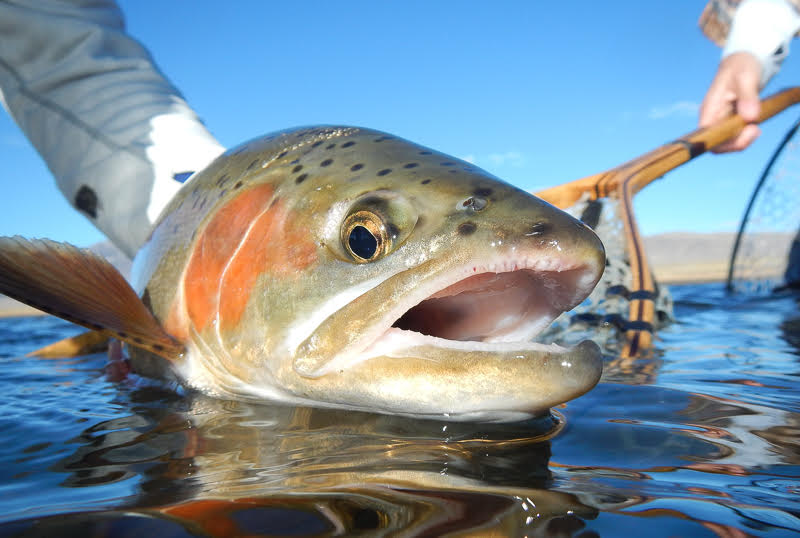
(494, 307)
(486, 308)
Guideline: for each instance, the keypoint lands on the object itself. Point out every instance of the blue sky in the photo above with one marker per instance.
(537, 93)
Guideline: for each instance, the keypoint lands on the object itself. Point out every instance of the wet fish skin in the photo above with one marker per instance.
(248, 268)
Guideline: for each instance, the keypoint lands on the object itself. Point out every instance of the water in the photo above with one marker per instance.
(702, 438)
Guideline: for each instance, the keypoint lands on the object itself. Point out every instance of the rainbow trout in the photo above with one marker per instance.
(341, 267)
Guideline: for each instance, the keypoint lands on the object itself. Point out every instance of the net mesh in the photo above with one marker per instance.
(764, 258)
(603, 316)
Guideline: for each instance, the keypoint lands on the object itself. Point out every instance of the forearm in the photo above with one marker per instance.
(110, 127)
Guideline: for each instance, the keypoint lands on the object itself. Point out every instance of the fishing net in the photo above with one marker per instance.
(604, 315)
(766, 252)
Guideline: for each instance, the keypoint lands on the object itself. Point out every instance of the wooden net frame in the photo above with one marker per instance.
(627, 179)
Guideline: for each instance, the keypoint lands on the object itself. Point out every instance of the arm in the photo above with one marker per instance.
(112, 130)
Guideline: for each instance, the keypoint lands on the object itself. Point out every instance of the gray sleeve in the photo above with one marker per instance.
(113, 131)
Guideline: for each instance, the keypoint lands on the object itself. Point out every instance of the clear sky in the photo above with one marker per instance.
(537, 93)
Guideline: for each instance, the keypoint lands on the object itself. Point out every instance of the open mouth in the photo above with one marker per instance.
(512, 306)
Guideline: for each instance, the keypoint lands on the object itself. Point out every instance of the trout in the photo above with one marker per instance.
(341, 267)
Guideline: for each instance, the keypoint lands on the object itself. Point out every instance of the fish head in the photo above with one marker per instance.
(393, 278)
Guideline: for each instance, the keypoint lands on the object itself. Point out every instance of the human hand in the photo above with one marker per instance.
(734, 89)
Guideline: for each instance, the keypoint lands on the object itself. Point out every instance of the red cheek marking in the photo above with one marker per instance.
(249, 236)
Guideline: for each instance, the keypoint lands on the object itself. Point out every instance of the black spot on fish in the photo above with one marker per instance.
(356, 167)
(425, 181)
(317, 144)
(467, 228)
(221, 180)
(483, 191)
(326, 162)
(282, 154)
(424, 152)
(297, 168)
(348, 144)
(238, 185)
(330, 146)
(157, 347)
(382, 138)
(539, 228)
(385, 171)
(252, 164)
(411, 165)
(122, 334)
(86, 201)
(203, 202)
(447, 163)
(301, 178)
(222, 193)
(295, 161)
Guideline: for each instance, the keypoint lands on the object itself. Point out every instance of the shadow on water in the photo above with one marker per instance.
(700, 438)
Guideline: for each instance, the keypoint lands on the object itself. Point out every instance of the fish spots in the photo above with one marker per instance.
(447, 163)
(297, 168)
(426, 152)
(299, 179)
(385, 172)
(356, 167)
(348, 144)
(86, 201)
(326, 162)
(382, 138)
(317, 144)
(425, 181)
(283, 154)
(253, 164)
(408, 166)
(251, 235)
(238, 185)
(224, 178)
(330, 146)
(484, 192)
(467, 228)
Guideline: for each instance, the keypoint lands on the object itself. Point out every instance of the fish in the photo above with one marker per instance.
(340, 267)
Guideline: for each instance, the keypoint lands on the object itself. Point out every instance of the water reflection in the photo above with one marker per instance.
(219, 466)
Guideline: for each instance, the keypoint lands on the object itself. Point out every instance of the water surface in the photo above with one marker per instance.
(700, 438)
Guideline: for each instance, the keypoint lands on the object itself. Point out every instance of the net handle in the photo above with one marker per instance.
(646, 168)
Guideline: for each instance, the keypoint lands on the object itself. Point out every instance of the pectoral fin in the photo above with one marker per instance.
(81, 287)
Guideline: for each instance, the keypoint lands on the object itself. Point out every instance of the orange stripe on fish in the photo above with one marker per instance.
(252, 235)
(214, 249)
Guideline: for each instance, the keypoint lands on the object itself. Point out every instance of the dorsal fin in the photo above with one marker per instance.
(81, 287)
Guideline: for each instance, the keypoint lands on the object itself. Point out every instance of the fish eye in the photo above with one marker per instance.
(365, 237)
